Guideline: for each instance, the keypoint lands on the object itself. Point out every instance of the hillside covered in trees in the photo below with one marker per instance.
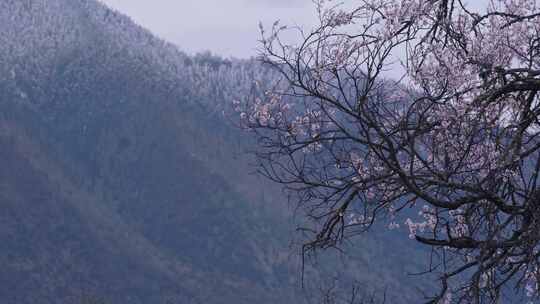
(123, 179)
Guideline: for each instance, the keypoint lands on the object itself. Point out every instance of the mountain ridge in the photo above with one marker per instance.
(122, 177)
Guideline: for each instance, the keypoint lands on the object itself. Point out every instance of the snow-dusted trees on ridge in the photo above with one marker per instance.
(454, 137)
(78, 42)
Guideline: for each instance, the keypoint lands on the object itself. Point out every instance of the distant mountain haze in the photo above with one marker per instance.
(123, 180)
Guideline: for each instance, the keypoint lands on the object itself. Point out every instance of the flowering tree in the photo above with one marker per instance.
(455, 137)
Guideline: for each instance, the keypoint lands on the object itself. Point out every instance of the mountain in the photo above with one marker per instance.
(122, 179)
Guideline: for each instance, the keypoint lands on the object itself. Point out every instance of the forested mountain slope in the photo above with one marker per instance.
(122, 179)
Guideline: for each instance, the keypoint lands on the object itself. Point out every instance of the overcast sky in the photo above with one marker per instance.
(225, 27)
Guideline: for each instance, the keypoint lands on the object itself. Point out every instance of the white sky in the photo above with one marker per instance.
(225, 27)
